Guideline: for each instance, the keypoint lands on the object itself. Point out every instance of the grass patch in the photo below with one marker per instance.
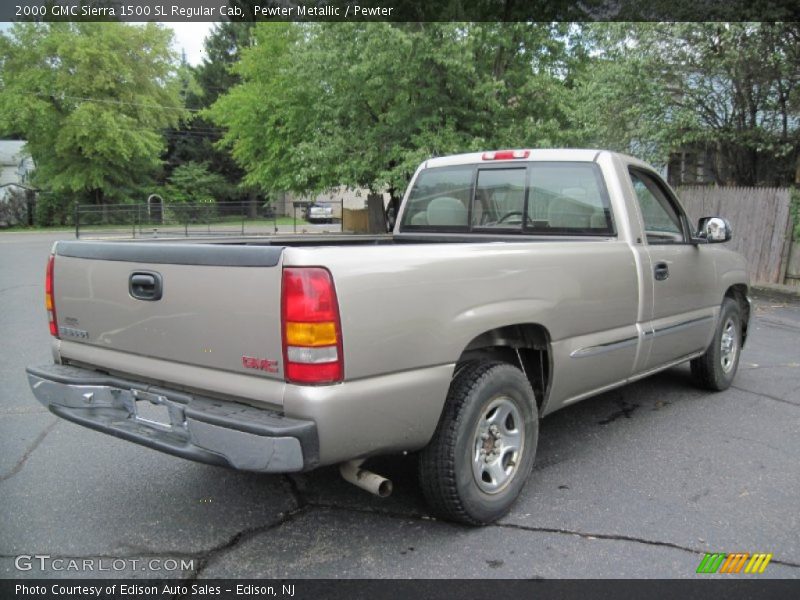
(230, 221)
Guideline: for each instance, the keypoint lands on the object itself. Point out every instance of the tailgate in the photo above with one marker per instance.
(219, 305)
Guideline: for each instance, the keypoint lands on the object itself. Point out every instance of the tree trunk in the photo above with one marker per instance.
(100, 200)
(252, 205)
(30, 205)
(376, 216)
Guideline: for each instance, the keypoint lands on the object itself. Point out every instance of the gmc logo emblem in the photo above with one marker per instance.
(262, 364)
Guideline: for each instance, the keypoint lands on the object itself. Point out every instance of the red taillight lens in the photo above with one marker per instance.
(49, 296)
(312, 333)
(506, 154)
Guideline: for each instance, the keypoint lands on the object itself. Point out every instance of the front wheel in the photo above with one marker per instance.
(483, 449)
(716, 369)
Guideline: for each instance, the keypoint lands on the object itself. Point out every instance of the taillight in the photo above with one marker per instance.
(312, 332)
(49, 296)
(506, 154)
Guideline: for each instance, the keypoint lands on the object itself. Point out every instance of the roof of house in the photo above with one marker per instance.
(11, 152)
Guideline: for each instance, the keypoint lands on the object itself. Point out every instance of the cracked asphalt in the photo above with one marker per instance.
(639, 482)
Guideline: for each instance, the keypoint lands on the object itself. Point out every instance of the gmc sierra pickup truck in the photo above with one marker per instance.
(515, 283)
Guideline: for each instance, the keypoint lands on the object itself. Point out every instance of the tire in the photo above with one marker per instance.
(716, 369)
(458, 481)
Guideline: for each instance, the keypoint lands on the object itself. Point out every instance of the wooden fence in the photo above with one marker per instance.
(355, 221)
(760, 219)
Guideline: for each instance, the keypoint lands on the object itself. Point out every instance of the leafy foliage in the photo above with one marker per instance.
(193, 183)
(795, 212)
(91, 99)
(362, 104)
(304, 107)
(195, 139)
(728, 87)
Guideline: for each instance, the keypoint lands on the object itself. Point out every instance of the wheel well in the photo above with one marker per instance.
(525, 345)
(738, 293)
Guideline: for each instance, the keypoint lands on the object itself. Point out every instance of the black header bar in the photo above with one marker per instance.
(400, 10)
(737, 588)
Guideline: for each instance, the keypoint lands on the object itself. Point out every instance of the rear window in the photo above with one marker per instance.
(440, 199)
(539, 197)
(568, 198)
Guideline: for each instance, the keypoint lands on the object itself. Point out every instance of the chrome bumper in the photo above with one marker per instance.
(202, 429)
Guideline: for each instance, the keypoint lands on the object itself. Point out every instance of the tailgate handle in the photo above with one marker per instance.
(145, 285)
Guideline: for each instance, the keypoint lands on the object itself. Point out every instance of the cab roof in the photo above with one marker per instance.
(533, 154)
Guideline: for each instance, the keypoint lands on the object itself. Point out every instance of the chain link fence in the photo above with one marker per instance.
(156, 219)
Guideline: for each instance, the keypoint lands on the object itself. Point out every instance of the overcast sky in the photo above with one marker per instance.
(189, 37)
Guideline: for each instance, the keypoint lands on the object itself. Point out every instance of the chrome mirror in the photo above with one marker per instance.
(714, 230)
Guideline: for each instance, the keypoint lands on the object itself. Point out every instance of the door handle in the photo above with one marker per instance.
(661, 271)
(145, 285)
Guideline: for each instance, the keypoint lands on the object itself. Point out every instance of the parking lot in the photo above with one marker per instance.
(639, 482)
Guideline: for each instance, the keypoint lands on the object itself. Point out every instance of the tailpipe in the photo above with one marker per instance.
(372, 482)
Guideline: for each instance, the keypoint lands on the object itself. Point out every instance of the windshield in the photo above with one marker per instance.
(538, 197)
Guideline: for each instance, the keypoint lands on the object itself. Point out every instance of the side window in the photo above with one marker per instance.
(568, 197)
(662, 223)
(499, 199)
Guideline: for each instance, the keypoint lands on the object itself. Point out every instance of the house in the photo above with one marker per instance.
(16, 193)
(696, 165)
(705, 164)
(16, 165)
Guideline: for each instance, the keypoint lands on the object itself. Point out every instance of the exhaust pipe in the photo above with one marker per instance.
(372, 482)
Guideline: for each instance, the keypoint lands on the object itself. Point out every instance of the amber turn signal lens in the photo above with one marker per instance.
(310, 334)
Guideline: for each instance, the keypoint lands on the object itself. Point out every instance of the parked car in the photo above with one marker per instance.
(519, 283)
(319, 213)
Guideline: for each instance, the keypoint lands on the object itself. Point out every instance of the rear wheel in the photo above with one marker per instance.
(483, 449)
(716, 369)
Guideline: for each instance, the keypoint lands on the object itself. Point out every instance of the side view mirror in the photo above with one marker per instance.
(714, 230)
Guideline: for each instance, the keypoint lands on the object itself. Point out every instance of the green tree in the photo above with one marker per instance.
(196, 138)
(362, 104)
(732, 88)
(248, 113)
(92, 101)
(193, 183)
(223, 47)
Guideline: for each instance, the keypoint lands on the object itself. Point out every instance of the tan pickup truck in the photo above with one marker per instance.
(515, 283)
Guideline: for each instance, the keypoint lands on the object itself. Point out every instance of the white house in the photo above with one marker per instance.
(15, 167)
(16, 193)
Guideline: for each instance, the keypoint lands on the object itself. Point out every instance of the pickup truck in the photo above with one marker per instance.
(515, 283)
(319, 213)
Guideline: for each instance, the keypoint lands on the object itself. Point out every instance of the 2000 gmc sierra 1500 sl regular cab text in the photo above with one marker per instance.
(515, 283)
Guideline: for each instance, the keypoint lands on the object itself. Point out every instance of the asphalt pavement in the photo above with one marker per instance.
(639, 482)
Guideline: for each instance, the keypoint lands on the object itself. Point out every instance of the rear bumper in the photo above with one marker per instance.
(202, 429)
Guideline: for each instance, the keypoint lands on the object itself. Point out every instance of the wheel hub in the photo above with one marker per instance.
(492, 440)
(498, 445)
(728, 346)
